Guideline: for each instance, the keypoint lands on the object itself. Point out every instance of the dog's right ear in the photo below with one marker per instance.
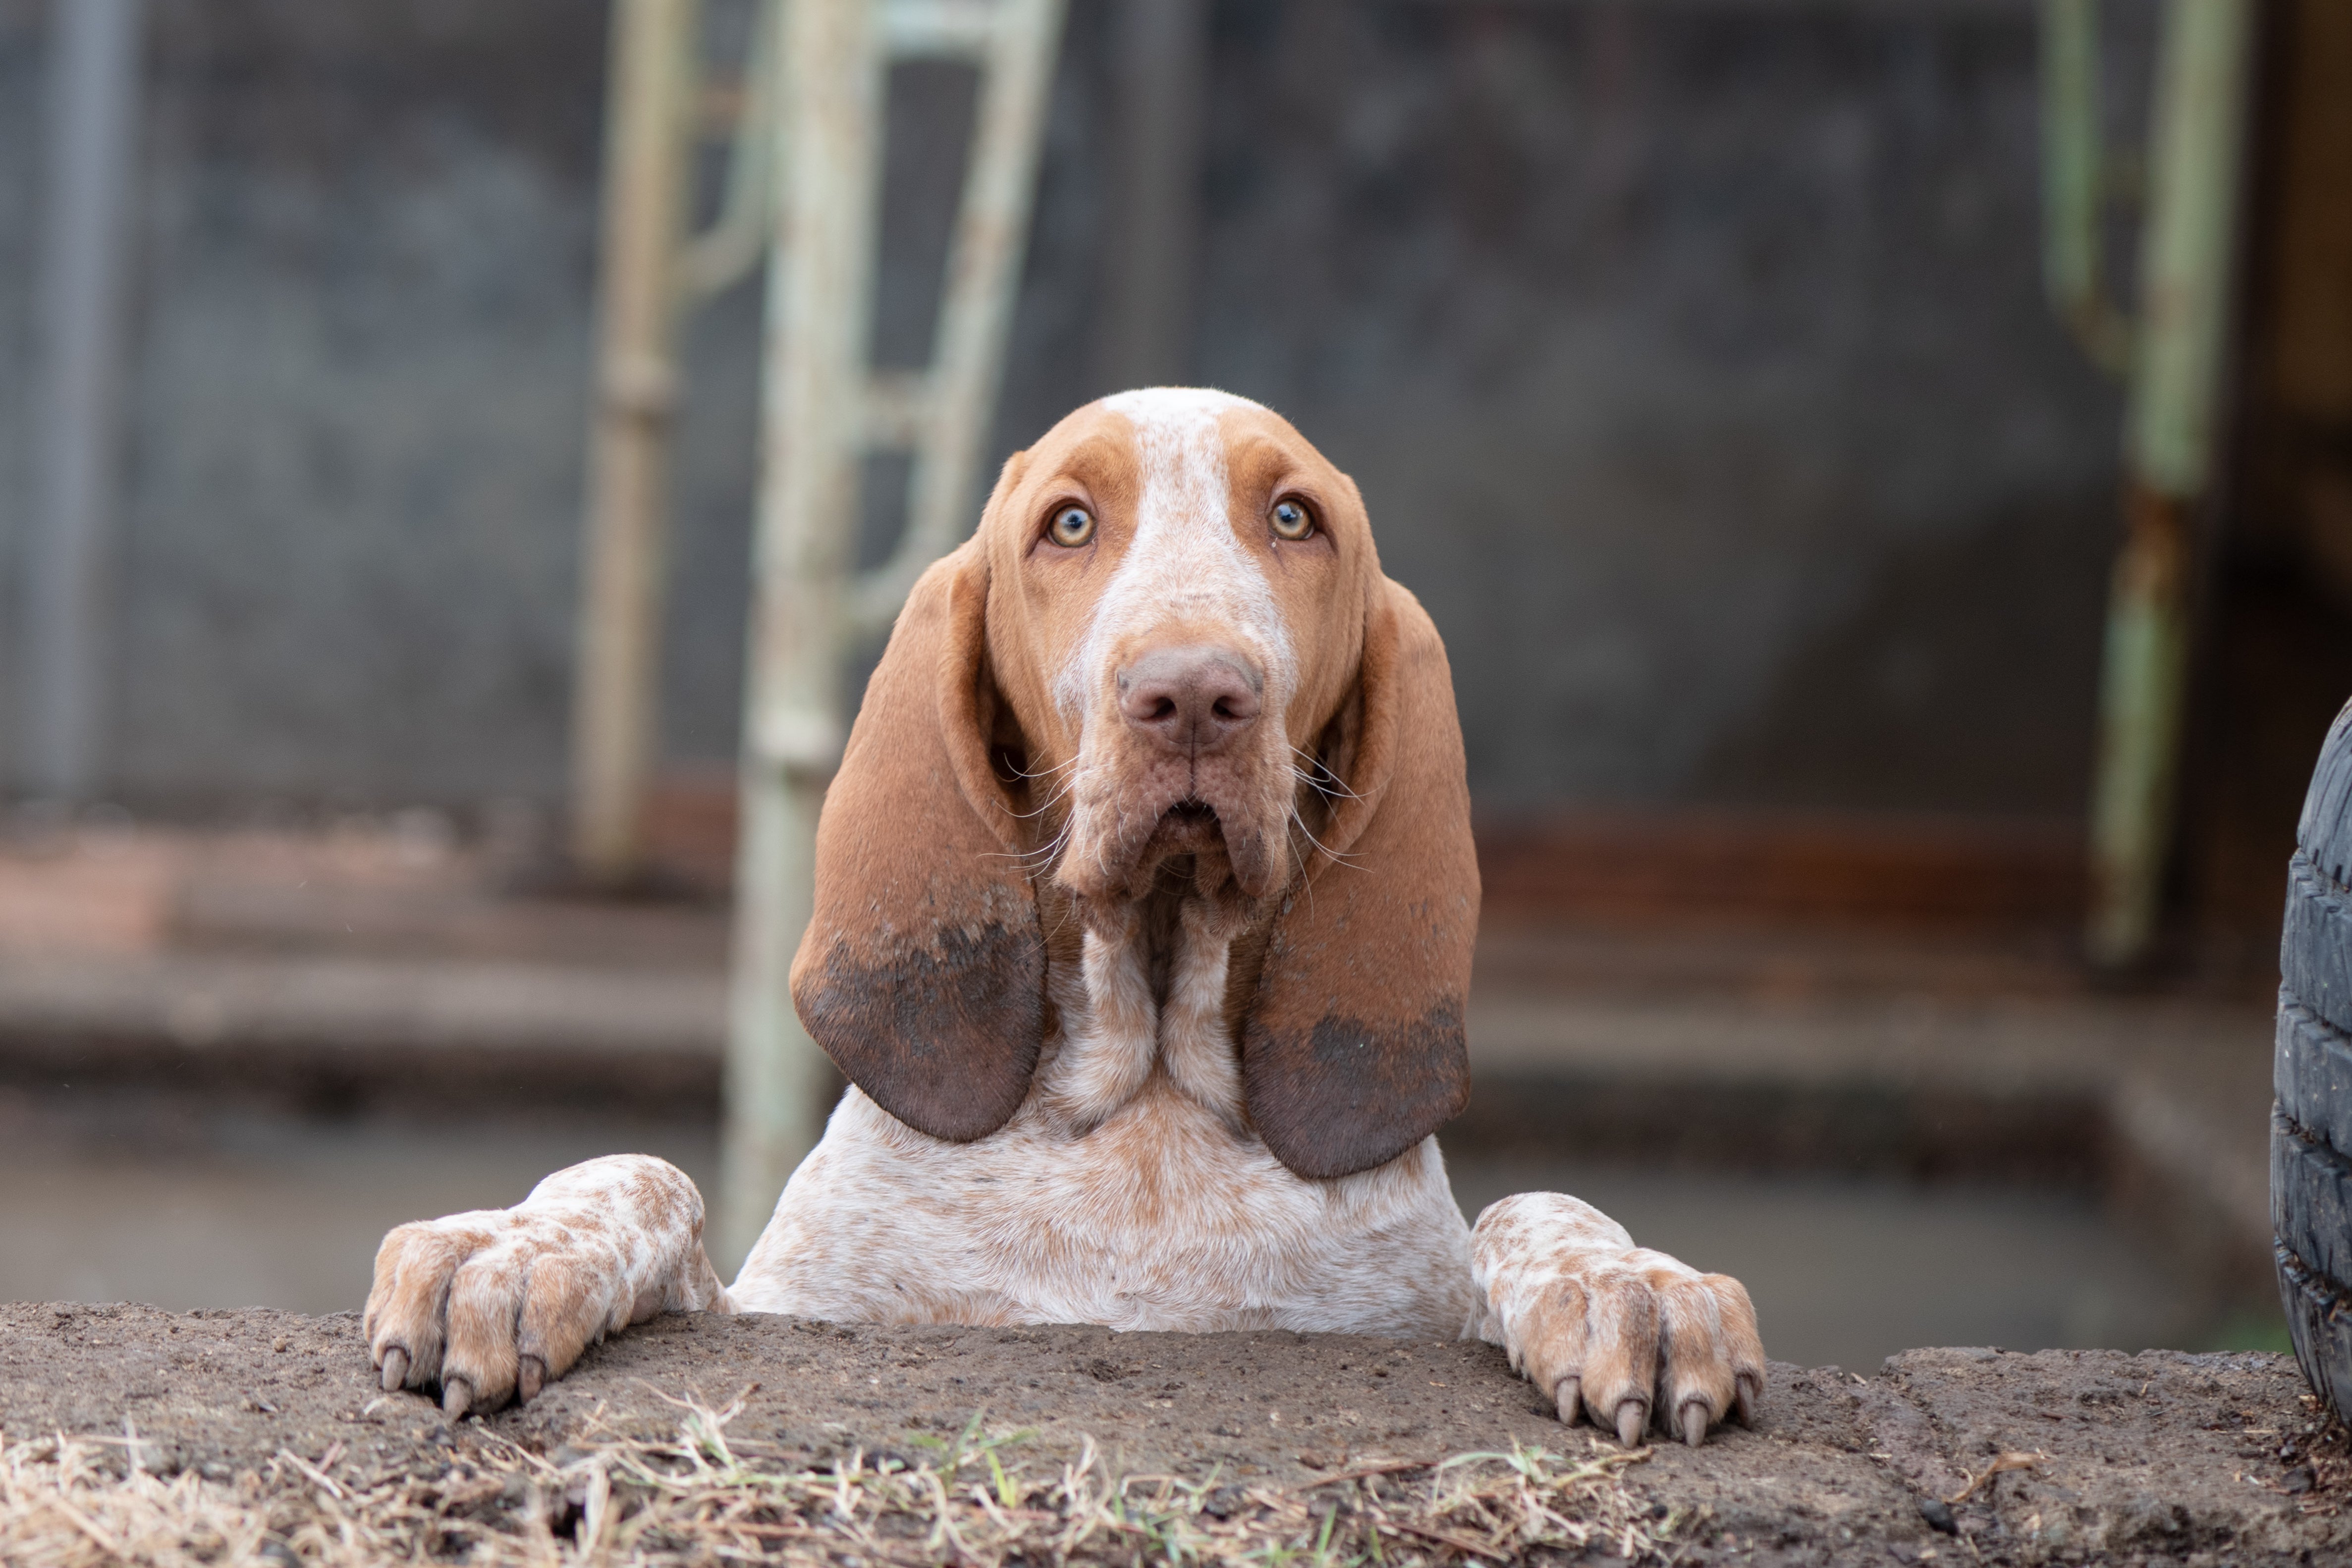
(923, 972)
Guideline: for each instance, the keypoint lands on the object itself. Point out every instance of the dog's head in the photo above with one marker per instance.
(1168, 653)
(1178, 591)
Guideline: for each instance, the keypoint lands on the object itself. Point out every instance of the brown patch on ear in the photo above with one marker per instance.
(922, 973)
(1354, 1050)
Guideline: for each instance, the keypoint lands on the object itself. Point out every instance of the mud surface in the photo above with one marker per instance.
(2161, 1456)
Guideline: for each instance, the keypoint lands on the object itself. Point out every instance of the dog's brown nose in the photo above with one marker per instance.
(1194, 699)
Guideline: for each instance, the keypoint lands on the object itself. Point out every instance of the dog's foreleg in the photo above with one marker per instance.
(1611, 1329)
(499, 1301)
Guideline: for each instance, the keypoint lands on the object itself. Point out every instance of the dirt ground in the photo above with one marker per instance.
(2160, 1457)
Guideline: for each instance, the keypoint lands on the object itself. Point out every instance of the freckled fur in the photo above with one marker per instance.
(1209, 1023)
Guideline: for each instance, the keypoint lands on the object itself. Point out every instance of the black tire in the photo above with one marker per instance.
(2315, 948)
(2320, 1319)
(2311, 1126)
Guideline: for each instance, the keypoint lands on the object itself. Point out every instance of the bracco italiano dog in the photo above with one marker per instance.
(1144, 910)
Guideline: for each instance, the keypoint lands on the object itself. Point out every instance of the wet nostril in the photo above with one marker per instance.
(1189, 697)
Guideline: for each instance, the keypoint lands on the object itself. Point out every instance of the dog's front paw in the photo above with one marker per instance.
(495, 1303)
(1630, 1337)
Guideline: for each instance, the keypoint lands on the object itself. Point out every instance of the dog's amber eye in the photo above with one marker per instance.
(1291, 520)
(1071, 527)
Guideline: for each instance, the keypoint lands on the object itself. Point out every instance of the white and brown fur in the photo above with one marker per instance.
(1145, 901)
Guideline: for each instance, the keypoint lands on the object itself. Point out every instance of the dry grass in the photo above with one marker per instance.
(2324, 1447)
(701, 1497)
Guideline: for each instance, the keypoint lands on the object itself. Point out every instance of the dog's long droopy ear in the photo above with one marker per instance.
(922, 973)
(1354, 1048)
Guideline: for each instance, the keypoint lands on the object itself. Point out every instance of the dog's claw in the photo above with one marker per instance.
(395, 1369)
(1744, 1398)
(1570, 1397)
(529, 1378)
(1694, 1415)
(455, 1394)
(1631, 1416)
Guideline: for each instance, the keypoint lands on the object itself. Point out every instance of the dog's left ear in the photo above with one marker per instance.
(1353, 1050)
(922, 973)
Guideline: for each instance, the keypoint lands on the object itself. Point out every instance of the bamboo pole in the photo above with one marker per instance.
(616, 710)
(820, 295)
(737, 241)
(2074, 181)
(2171, 433)
(824, 409)
(953, 403)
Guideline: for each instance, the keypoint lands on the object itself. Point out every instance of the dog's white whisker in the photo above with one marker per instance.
(1043, 855)
(1051, 802)
(1320, 789)
(1330, 854)
(1336, 784)
(1299, 857)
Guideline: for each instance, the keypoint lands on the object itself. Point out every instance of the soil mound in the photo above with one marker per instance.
(1245, 1440)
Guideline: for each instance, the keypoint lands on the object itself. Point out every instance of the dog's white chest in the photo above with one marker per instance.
(1159, 1218)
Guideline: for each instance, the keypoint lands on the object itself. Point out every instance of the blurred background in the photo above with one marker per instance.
(1718, 372)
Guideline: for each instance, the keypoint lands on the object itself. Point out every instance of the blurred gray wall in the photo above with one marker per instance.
(1690, 353)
